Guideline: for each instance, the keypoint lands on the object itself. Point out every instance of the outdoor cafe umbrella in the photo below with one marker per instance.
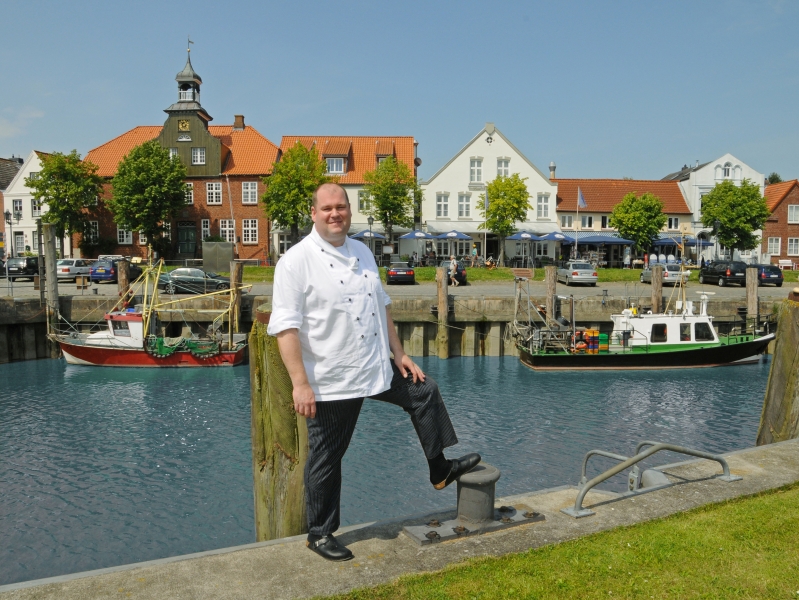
(453, 236)
(525, 236)
(416, 235)
(366, 234)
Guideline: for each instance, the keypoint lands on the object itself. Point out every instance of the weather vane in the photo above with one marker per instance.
(188, 46)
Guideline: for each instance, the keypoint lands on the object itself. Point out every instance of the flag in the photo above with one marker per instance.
(581, 199)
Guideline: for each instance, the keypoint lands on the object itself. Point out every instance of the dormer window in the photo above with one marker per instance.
(335, 165)
(380, 159)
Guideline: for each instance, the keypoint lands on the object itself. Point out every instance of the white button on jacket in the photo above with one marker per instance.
(337, 304)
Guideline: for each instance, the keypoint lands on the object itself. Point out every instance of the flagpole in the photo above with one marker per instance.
(576, 226)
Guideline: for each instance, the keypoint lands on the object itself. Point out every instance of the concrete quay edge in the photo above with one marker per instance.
(286, 569)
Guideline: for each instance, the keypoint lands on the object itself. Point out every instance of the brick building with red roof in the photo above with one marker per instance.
(349, 158)
(225, 165)
(780, 240)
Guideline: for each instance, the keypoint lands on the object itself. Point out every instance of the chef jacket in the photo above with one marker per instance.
(337, 304)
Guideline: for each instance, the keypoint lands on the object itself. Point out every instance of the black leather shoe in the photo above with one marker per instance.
(460, 466)
(328, 548)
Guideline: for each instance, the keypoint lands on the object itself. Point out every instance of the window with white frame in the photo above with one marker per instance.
(283, 243)
(249, 232)
(674, 222)
(142, 239)
(249, 192)
(167, 233)
(227, 229)
(17, 209)
(566, 221)
(364, 202)
(173, 153)
(35, 241)
(198, 156)
(442, 205)
(34, 175)
(189, 193)
(503, 166)
(36, 207)
(542, 211)
(793, 246)
(476, 170)
(542, 248)
(587, 222)
(124, 237)
(726, 170)
(793, 213)
(213, 193)
(774, 246)
(604, 222)
(205, 228)
(93, 233)
(464, 205)
(335, 165)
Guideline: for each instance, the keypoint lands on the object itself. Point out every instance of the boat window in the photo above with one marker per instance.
(685, 332)
(703, 333)
(120, 328)
(659, 333)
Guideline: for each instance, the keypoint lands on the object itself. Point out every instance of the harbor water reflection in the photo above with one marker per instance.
(101, 467)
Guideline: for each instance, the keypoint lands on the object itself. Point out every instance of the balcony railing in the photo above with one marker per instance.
(186, 95)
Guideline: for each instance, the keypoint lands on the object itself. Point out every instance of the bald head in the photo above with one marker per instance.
(332, 190)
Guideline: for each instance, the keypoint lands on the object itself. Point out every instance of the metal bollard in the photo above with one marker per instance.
(476, 494)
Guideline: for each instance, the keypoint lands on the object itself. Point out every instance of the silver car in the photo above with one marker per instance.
(70, 268)
(671, 275)
(578, 272)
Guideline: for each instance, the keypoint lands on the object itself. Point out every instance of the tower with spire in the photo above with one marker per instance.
(185, 131)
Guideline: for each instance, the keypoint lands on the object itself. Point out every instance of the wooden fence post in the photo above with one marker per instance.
(442, 337)
(279, 440)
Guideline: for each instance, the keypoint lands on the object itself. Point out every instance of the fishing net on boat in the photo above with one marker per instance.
(162, 347)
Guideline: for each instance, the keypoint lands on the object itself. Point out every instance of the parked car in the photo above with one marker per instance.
(578, 272)
(70, 268)
(108, 270)
(671, 275)
(23, 267)
(769, 274)
(192, 281)
(460, 271)
(399, 272)
(723, 272)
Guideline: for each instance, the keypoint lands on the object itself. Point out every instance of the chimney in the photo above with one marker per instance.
(552, 168)
(238, 122)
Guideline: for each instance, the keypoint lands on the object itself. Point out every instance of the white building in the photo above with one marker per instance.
(697, 181)
(25, 210)
(452, 195)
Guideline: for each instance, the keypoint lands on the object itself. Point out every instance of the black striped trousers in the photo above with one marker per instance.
(329, 435)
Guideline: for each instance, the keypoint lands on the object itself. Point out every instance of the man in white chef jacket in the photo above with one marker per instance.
(335, 333)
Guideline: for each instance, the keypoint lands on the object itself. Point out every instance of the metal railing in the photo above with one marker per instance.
(635, 476)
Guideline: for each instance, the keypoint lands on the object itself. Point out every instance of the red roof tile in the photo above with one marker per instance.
(244, 152)
(601, 195)
(363, 151)
(776, 192)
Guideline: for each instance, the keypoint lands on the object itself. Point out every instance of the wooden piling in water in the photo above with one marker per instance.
(752, 306)
(279, 440)
(657, 288)
(236, 274)
(779, 420)
(551, 279)
(442, 336)
(51, 286)
(123, 277)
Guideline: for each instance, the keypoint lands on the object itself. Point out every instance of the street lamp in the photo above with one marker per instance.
(8, 215)
(370, 220)
(716, 225)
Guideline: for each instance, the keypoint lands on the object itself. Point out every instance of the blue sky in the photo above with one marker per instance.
(605, 89)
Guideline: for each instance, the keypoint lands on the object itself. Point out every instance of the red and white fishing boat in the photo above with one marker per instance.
(125, 343)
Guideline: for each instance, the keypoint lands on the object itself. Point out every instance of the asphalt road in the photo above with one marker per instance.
(24, 289)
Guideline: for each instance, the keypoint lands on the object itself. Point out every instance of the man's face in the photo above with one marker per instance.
(332, 215)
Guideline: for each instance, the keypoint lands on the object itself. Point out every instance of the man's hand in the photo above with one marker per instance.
(304, 401)
(406, 365)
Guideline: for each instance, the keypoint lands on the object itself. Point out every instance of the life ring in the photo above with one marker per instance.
(580, 346)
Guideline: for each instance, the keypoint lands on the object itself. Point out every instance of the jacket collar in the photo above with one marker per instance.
(332, 252)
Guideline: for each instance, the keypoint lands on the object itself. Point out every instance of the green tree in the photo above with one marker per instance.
(149, 191)
(392, 189)
(508, 203)
(740, 212)
(290, 187)
(70, 187)
(638, 218)
(774, 178)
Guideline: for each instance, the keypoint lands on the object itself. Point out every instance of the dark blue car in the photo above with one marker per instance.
(108, 270)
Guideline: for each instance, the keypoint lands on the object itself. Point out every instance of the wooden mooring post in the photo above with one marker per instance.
(51, 286)
(752, 304)
(779, 420)
(279, 439)
(442, 336)
(551, 278)
(236, 274)
(657, 289)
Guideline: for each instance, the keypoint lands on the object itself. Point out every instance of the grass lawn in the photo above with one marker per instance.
(744, 548)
